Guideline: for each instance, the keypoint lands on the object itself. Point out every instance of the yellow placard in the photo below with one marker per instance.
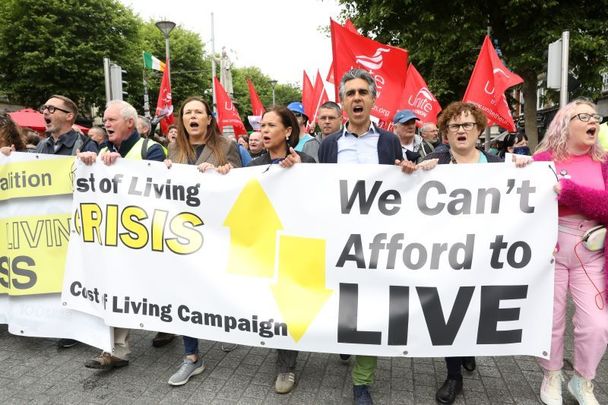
(33, 251)
(35, 178)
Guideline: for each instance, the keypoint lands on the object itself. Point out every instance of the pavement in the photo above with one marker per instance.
(34, 371)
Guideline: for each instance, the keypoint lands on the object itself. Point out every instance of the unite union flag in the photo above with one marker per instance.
(387, 65)
(227, 114)
(487, 86)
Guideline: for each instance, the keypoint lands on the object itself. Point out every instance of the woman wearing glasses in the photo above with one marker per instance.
(462, 123)
(199, 142)
(572, 143)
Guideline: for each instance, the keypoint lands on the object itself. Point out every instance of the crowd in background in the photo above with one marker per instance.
(346, 134)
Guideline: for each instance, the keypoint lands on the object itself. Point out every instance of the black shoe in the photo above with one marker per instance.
(345, 358)
(66, 343)
(361, 395)
(469, 363)
(162, 339)
(448, 391)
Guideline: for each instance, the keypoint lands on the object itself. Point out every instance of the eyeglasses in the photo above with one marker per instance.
(52, 109)
(586, 117)
(467, 126)
(297, 114)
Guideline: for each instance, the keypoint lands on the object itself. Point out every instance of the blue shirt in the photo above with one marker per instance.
(302, 141)
(358, 149)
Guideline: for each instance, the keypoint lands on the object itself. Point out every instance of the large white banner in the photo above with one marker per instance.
(357, 259)
(35, 205)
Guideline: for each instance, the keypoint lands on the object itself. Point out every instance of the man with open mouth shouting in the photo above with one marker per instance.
(59, 115)
(361, 141)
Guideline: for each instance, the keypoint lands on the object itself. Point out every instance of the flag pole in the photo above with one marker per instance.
(146, 97)
(488, 131)
(213, 65)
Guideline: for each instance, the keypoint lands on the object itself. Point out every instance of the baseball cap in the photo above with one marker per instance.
(296, 107)
(404, 116)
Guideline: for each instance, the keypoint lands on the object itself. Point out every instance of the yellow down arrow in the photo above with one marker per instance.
(253, 224)
(300, 291)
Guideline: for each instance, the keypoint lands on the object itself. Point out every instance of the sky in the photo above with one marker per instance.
(281, 37)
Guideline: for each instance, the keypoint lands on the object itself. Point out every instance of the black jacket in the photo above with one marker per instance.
(445, 157)
(67, 144)
(264, 159)
(389, 148)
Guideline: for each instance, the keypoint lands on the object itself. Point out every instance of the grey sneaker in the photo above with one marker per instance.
(187, 370)
(285, 383)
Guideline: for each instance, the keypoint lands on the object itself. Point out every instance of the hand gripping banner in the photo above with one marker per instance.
(356, 259)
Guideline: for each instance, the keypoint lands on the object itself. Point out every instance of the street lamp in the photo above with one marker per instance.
(166, 27)
(273, 83)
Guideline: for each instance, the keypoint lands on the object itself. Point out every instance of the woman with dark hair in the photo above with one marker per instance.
(462, 123)
(10, 136)
(280, 134)
(516, 144)
(571, 141)
(199, 142)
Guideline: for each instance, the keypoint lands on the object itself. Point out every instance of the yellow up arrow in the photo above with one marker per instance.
(253, 225)
(300, 291)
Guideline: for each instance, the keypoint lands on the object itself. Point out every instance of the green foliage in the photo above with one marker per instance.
(190, 69)
(444, 38)
(58, 46)
(284, 93)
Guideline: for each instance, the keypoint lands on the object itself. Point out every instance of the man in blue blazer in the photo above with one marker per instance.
(361, 141)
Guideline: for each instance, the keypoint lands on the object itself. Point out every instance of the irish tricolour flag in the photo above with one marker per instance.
(151, 62)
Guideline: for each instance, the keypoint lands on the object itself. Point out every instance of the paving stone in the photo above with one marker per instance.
(36, 372)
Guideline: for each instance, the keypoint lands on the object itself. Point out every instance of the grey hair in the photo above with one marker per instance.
(100, 130)
(144, 121)
(126, 110)
(426, 126)
(357, 74)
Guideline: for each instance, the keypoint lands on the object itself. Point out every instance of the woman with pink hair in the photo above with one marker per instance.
(572, 143)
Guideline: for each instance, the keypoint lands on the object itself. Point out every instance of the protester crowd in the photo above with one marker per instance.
(347, 135)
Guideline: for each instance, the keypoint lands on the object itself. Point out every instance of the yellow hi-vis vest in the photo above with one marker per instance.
(137, 152)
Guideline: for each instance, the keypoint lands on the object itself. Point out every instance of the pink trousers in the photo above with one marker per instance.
(591, 310)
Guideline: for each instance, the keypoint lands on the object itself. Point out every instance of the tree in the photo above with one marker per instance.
(190, 67)
(284, 93)
(444, 39)
(58, 46)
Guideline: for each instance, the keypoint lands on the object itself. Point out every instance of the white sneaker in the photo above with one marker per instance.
(551, 388)
(582, 390)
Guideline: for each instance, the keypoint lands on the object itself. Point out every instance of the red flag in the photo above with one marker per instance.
(227, 115)
(487, 86)
(307, 95)
(386, 64)
(164, 105)
(417, 97)
(330, 75)
(256, 104)
(320, 97)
